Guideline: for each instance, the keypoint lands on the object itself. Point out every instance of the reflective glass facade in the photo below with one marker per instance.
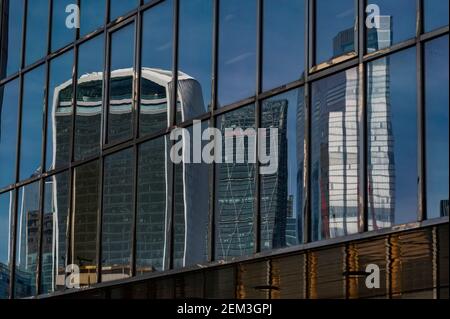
(91, 119)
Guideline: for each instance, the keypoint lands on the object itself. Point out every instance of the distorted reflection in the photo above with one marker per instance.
(54, 232)
(59, 112)
(334, 156)
(392, 140)
(152, 189)
(335, 29)
(9, 101)
(89, 105)
(36, 30)
(10, 42)
(282, 193)
(6, 215)
(84, 221)
(437, 122)
(120, 108)
(397, 23)
(191, 195)
(117, 215)
(235, 188)
(27, 237)
(156, 74)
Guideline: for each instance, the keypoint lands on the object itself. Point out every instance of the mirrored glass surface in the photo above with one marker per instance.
(194, 57)
(392, 140)
(117, 216)
(61, 33)
(120, 108)
(121, 7)
(9, 108)
(235, 183)
(334, 156)
(88, 119)
(335, 29)
(435, 14)
(156, 72)
(59, 112)
(437, 128)
(283, 43)
(32, 123)
(11, 37)
(152, 201)
(191, 195)
(84, 221)
(397, 23)
(92, 15)
(54, 232)
(6, 216)
(27, 237)
(37, 30)
(281, 197)
(237, 50)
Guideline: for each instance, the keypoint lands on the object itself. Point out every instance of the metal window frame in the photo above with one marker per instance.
(312, 73)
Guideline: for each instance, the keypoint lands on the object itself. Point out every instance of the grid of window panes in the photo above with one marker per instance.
(89, 118)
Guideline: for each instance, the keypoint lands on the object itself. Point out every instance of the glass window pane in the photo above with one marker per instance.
(11, 37)
(59, 111)
(9, 101)
(284, 33)
(194, 57)
(392, 144)
(437, 108)
(397, 23)
(121, 7)
(56, 212)
(435, 14)
(156, 73)
(6, 215)
(334, 156)
(92, 15)
(281, 198)
(61, 34)
(237, 50)
(27, 236)
(120, 118)
(85, 216)
(117, 215)
(191, 194)
(37, 30)
(32, 123)
(235, 185)
(151, 206)
(88, 119)
(335, 29)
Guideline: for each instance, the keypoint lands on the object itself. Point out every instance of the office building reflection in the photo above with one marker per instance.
(191, 210)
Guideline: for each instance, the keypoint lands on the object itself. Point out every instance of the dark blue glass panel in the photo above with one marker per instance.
(121, 7)
(435, 14)
(37, 30)
(61, 34)
(92, 15)
(11, 39)
(32, 123)
(284, 49)
(437, 126)
(6, 216)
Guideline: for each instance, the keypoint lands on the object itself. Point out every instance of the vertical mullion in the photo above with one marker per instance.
(308, 42)
(421, 211)
(311, 12)
(212, 123)
(259, 63)
(362, 123)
